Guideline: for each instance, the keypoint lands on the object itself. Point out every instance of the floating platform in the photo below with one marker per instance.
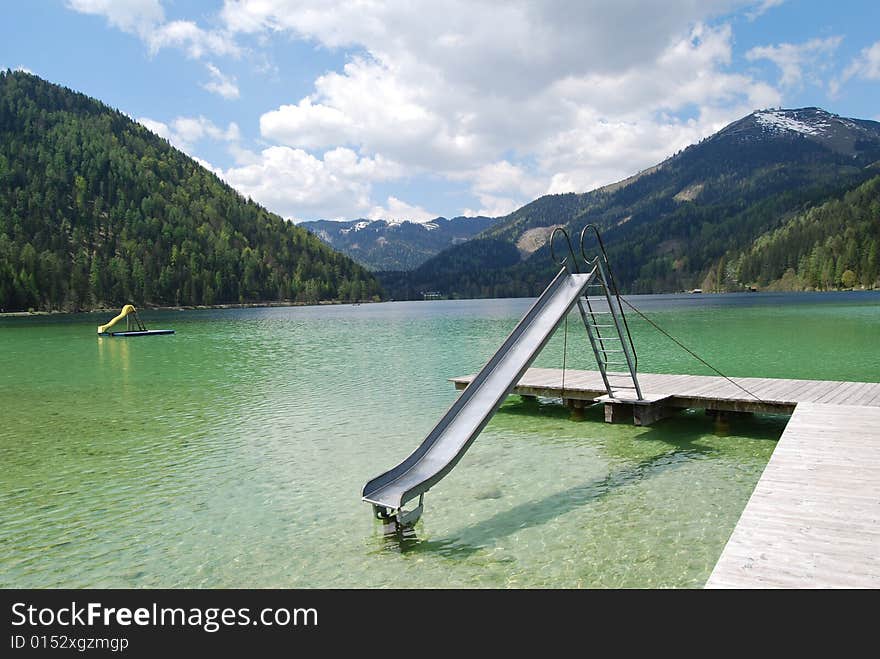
(813, 520)
(139, 333)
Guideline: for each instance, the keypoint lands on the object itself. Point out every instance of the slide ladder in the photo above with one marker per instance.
(445, 445)
(604, 318)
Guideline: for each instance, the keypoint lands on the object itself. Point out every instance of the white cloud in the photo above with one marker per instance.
(501, 187)
(307, 125)
(370, 106)
(397, 209)
(493, 43)
(208, 166)
(193, 129)
(136, 16)
(161, 129)
(494, 206)
(865, 65)
(292, 182)
(299, 185)
(763, 7)
(146, 19)
(221, 84)
(793, 59)
(185, 132)
(511, 100)
(514, 100)
(192, 39)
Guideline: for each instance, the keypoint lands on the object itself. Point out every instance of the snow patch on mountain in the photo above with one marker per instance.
(363, 224)
(778, 121)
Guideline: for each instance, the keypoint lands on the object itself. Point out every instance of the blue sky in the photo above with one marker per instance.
(412, 110)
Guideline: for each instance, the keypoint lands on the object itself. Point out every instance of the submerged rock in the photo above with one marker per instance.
(491, 493)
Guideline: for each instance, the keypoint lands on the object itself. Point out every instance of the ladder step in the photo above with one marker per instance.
(608, 351)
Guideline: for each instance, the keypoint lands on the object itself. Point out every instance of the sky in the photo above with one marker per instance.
(413, 110)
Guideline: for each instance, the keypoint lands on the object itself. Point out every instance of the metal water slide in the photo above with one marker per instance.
(452, 436)
(456, 431)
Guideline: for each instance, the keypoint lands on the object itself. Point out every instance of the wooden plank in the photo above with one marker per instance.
(840, 390)
(775, 394)
(855, 394)
(780, 391)
(822, 392)
(784, 390)
(799, 388)
(814, 517)
(873, 399)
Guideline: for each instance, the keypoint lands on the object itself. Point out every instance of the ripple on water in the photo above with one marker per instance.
(233, 453)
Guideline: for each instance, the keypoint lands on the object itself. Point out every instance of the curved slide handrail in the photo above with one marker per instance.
(563, 263)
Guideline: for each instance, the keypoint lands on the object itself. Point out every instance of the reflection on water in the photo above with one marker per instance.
(114, 355)
(397, 538)
(233, 452)
(684, 438)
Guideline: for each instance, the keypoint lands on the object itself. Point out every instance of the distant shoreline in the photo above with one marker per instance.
(185, 307)
(323, 303)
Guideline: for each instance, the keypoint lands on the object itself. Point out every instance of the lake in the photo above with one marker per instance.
(232, 454)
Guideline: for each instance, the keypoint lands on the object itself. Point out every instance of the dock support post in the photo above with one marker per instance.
(577, 408)
(645, 415)
(618, 413)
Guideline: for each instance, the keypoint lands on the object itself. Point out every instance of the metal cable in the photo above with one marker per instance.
(688, 350)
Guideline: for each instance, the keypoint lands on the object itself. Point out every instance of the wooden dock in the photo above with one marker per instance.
(813, 520)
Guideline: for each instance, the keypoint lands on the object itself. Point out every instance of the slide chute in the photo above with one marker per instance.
(134, 325)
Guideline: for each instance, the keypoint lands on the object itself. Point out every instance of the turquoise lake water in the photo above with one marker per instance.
(232, 454)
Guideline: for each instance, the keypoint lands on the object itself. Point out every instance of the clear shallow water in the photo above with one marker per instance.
(233, 453)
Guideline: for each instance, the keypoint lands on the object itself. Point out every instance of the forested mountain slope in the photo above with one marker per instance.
(679, 225)
(96, 210)
(834, 244)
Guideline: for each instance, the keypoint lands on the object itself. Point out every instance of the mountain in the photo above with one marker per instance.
(688, 221)
(383, 245)
(96, 210)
